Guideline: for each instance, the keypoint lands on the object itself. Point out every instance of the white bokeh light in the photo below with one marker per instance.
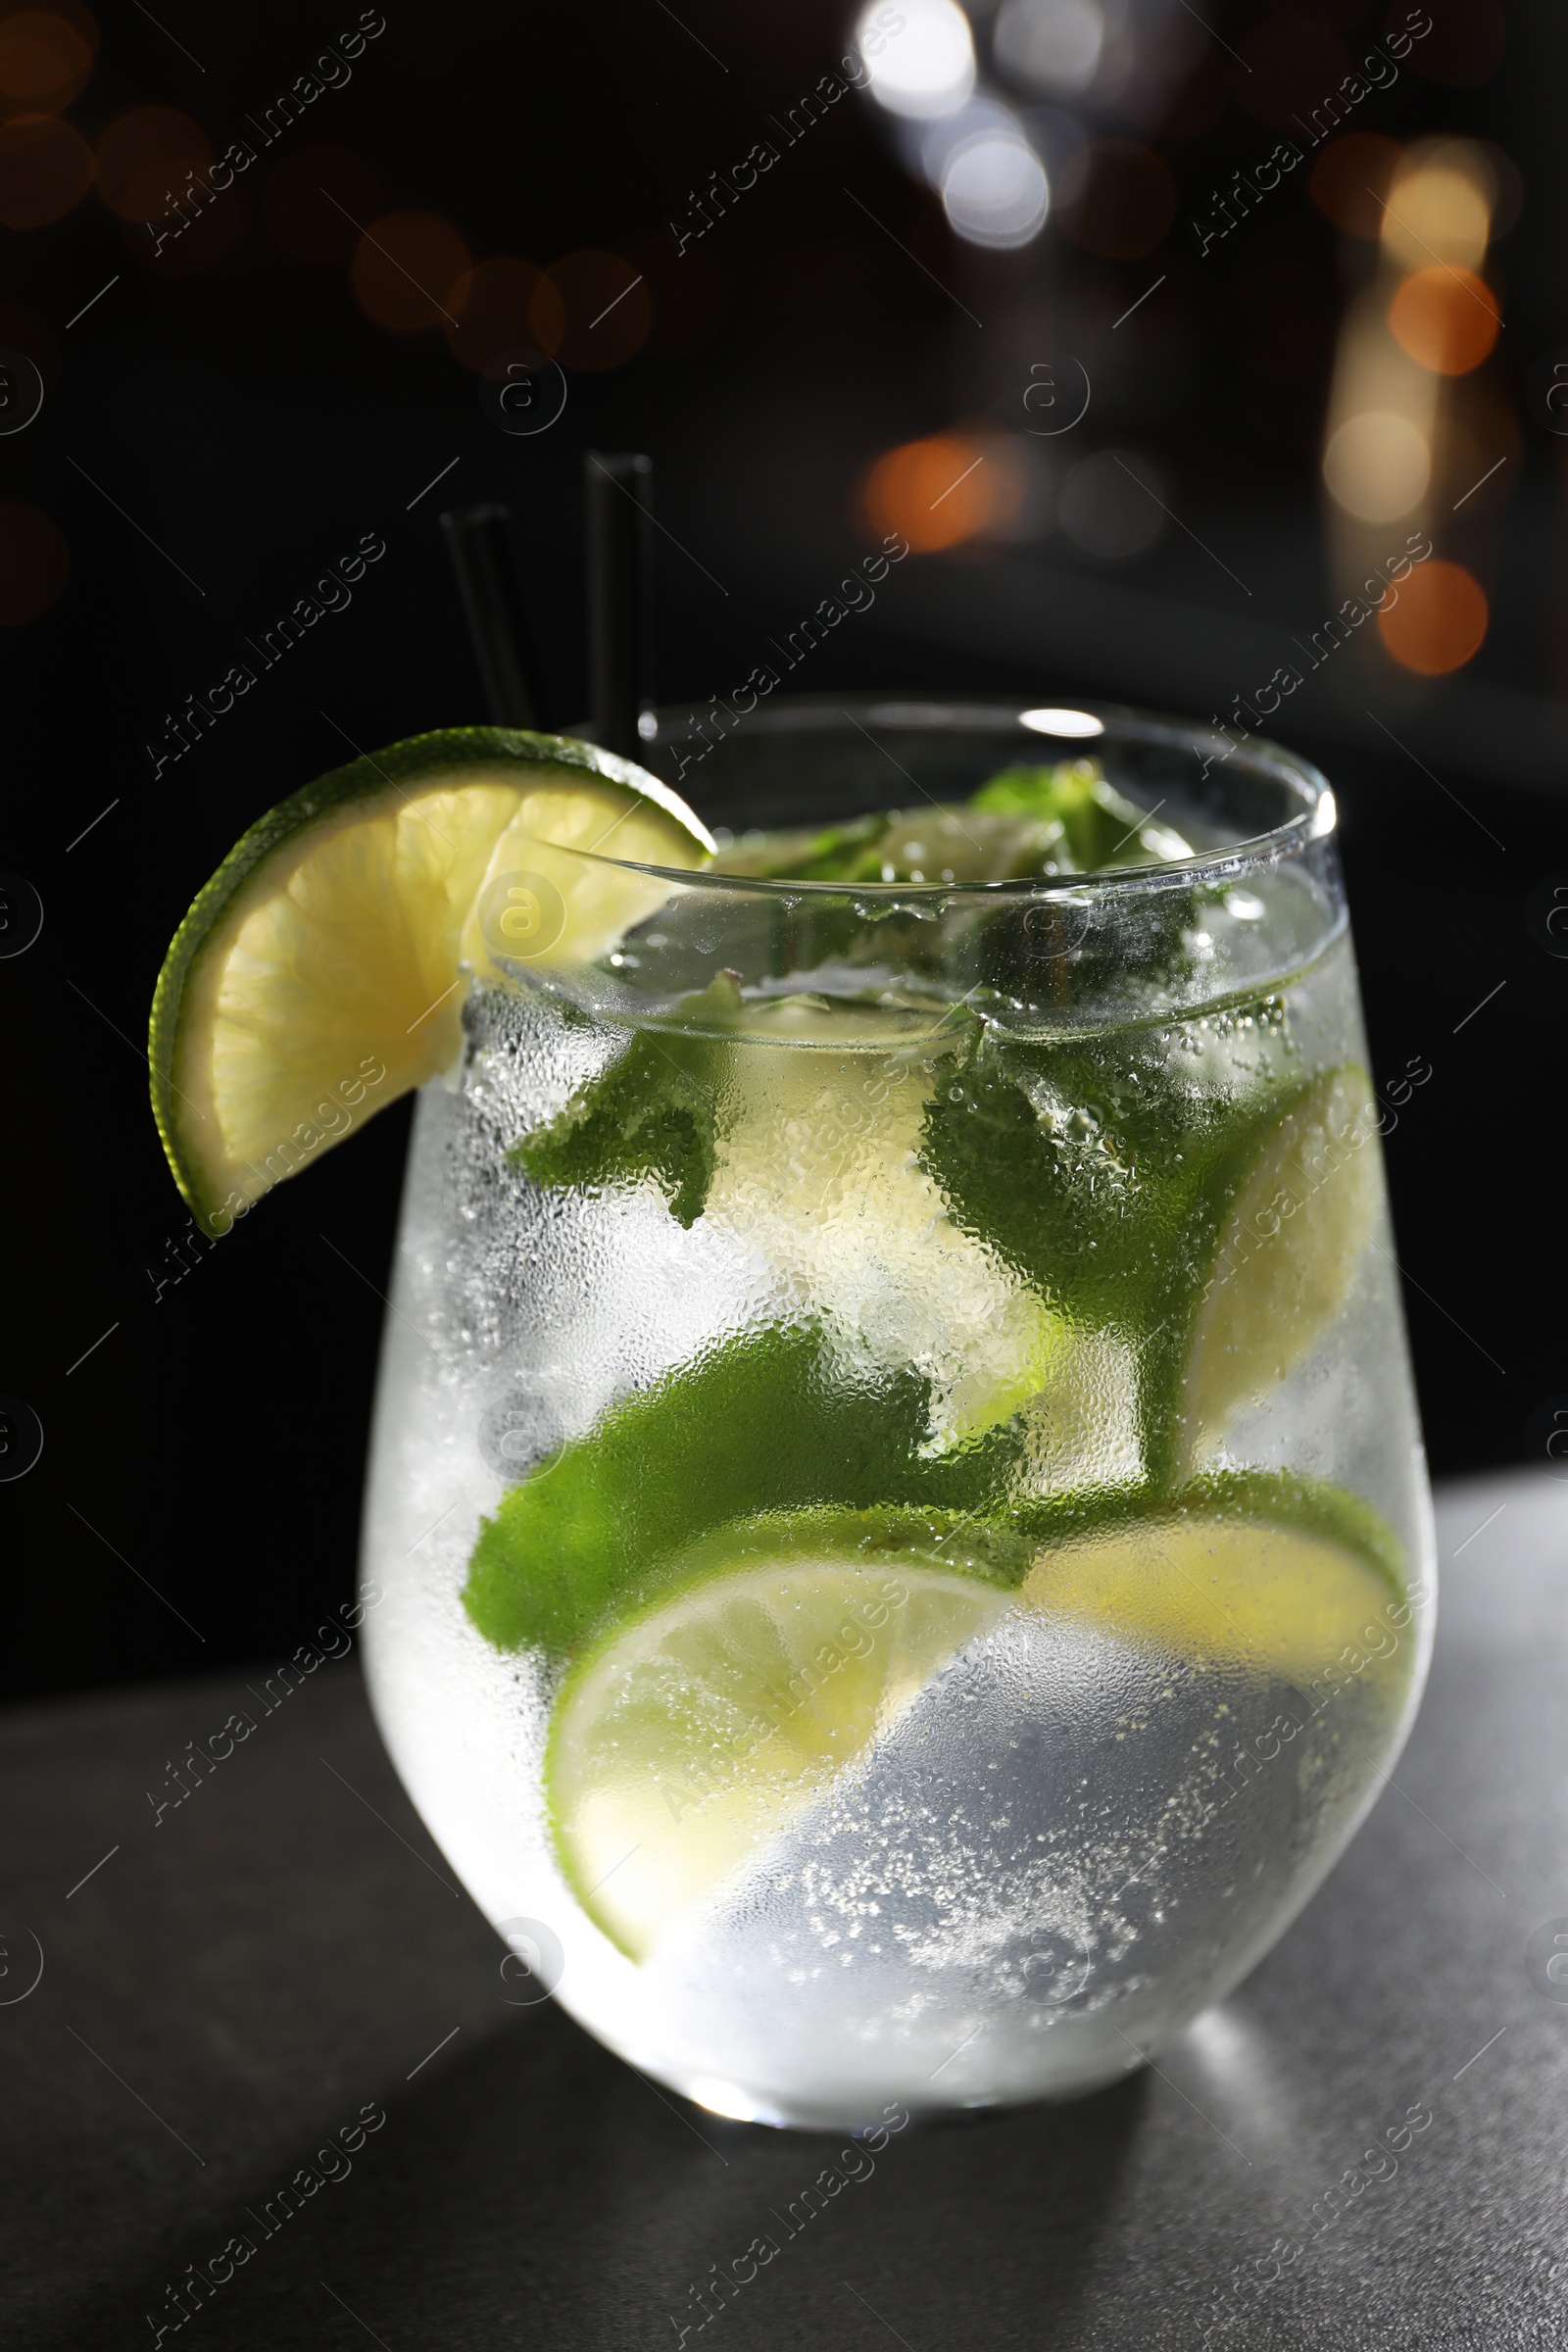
(932, 145)
(1050, 46)
(995, 191)
(919, 56)
(1378, 466)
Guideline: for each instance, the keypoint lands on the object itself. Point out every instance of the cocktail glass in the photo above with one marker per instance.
(896, 1533)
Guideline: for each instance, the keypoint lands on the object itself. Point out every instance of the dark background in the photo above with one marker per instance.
(226, 419)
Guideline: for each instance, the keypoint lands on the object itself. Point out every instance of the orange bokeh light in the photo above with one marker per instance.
(34, 564)
(503, 305)
(1438, 621)
(144, 159)
(1444, 317)
(934, 492)
(406, 271)
(45, 168)
(605, 305)
(44, 63)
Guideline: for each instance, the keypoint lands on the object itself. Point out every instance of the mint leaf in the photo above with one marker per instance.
(846, 852)
(653, 1111)
(649, 1113)
(764, 1423)
(1102, 1169)
(1099, 827)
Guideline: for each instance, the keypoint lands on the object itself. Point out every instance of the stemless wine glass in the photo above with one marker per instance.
(897, 1522)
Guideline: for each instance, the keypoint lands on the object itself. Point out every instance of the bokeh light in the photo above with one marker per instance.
(1110, 505)
(44, 63)
(995, 191)
(45, 168)
(406, 270)
(1351, 178)
(317, 201)
(70, 13)
(34, 564)
(934, 492)
(1051, 48)
(1440, 208)
(143, 158)
(1377, 466)
(1447, 319)
(604, 304)
(499, 307)
(919, 56)
(1116, 199)
(1440, 620)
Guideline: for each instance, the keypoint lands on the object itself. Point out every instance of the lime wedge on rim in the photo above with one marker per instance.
(322, 971)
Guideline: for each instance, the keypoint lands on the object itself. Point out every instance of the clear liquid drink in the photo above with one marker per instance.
(896, 1504)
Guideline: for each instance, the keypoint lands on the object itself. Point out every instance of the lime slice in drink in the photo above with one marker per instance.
(1288, 1251)
(698, 1729)
(818, 1168)
(1276, 1591)
(695, 1732)
(322, 971)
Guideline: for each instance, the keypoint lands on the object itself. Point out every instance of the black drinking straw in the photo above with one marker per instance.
(620, 490)
(492, 601)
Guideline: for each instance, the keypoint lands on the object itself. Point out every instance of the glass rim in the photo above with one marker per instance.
(1313, 819)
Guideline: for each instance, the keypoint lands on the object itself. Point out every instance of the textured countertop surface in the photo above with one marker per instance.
(285, 1956)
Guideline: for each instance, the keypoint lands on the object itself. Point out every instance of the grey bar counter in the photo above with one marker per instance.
(277, 1981)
